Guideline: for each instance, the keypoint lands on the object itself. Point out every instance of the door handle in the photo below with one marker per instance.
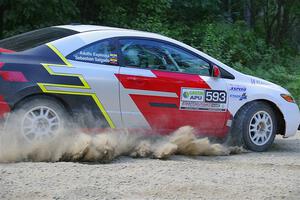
(138, 81)
(179, 82)
(132, 78)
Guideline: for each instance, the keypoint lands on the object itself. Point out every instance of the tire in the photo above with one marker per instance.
(39, 118)
(254, 127)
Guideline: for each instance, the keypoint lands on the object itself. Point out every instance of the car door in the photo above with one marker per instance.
(164, 86)
(97, 63)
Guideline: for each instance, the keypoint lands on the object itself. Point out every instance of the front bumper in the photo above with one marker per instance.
(291, 116)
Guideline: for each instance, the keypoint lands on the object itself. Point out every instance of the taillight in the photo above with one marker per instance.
(5, 50)
(13, 76)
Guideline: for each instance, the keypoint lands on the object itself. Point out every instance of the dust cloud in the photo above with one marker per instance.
(76, 146)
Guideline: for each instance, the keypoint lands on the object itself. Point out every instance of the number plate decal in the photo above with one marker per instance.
(215, 96)
(203, 100)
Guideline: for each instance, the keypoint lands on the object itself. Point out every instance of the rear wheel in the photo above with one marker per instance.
(39, 118)
(254, 126)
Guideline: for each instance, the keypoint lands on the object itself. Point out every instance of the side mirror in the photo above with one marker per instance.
(216, 71)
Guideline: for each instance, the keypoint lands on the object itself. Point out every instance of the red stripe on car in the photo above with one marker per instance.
(166, 119)
(163, 82)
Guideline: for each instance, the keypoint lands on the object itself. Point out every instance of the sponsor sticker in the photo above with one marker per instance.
(239, 96)
(205, 100)
(258, 82)
(192, 94)
(237, 88)
(238, 92)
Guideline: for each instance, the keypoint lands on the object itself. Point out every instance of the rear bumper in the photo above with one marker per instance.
(2, 125)
(4, 108)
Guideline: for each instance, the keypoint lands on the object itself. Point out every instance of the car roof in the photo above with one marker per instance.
(83, 30)
(86, 28)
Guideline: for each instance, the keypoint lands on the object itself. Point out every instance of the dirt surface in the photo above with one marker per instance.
(270, 175)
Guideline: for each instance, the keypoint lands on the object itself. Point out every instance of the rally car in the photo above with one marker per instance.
(109, 77)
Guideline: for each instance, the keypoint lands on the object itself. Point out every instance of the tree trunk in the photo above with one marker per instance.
(1, 20)
(284, 25)
(248, 13)
(253, 13)
(267, 23)
(227, 9)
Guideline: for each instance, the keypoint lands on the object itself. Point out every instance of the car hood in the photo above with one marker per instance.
(259, 81)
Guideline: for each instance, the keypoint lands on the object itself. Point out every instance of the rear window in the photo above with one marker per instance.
(35, 38)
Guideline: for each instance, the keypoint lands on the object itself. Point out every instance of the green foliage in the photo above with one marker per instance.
(24, 15)
(242, 49)
(262, 41)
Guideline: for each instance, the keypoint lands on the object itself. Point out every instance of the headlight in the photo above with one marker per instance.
(288, 98)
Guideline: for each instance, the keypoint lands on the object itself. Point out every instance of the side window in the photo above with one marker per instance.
(187, 62)
(160, 56)
(103, 52)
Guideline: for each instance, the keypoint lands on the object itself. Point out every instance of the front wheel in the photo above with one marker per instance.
(255, 126)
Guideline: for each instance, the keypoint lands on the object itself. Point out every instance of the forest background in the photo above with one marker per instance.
(257, 37)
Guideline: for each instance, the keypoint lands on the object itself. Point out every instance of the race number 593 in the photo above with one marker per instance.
(215, 96)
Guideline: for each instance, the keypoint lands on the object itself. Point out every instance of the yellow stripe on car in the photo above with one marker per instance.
(59, 54)
(84, 85)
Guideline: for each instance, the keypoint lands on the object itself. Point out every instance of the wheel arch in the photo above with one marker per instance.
(278, 113)
(43, 95)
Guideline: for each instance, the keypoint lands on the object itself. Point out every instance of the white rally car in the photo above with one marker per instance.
(137, 80)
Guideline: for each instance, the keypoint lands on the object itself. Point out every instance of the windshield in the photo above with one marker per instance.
(34, 38)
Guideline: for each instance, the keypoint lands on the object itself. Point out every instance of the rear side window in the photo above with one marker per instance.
(101, 52)
(35, 38)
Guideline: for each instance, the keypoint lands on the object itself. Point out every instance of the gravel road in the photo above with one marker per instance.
(270, 175)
